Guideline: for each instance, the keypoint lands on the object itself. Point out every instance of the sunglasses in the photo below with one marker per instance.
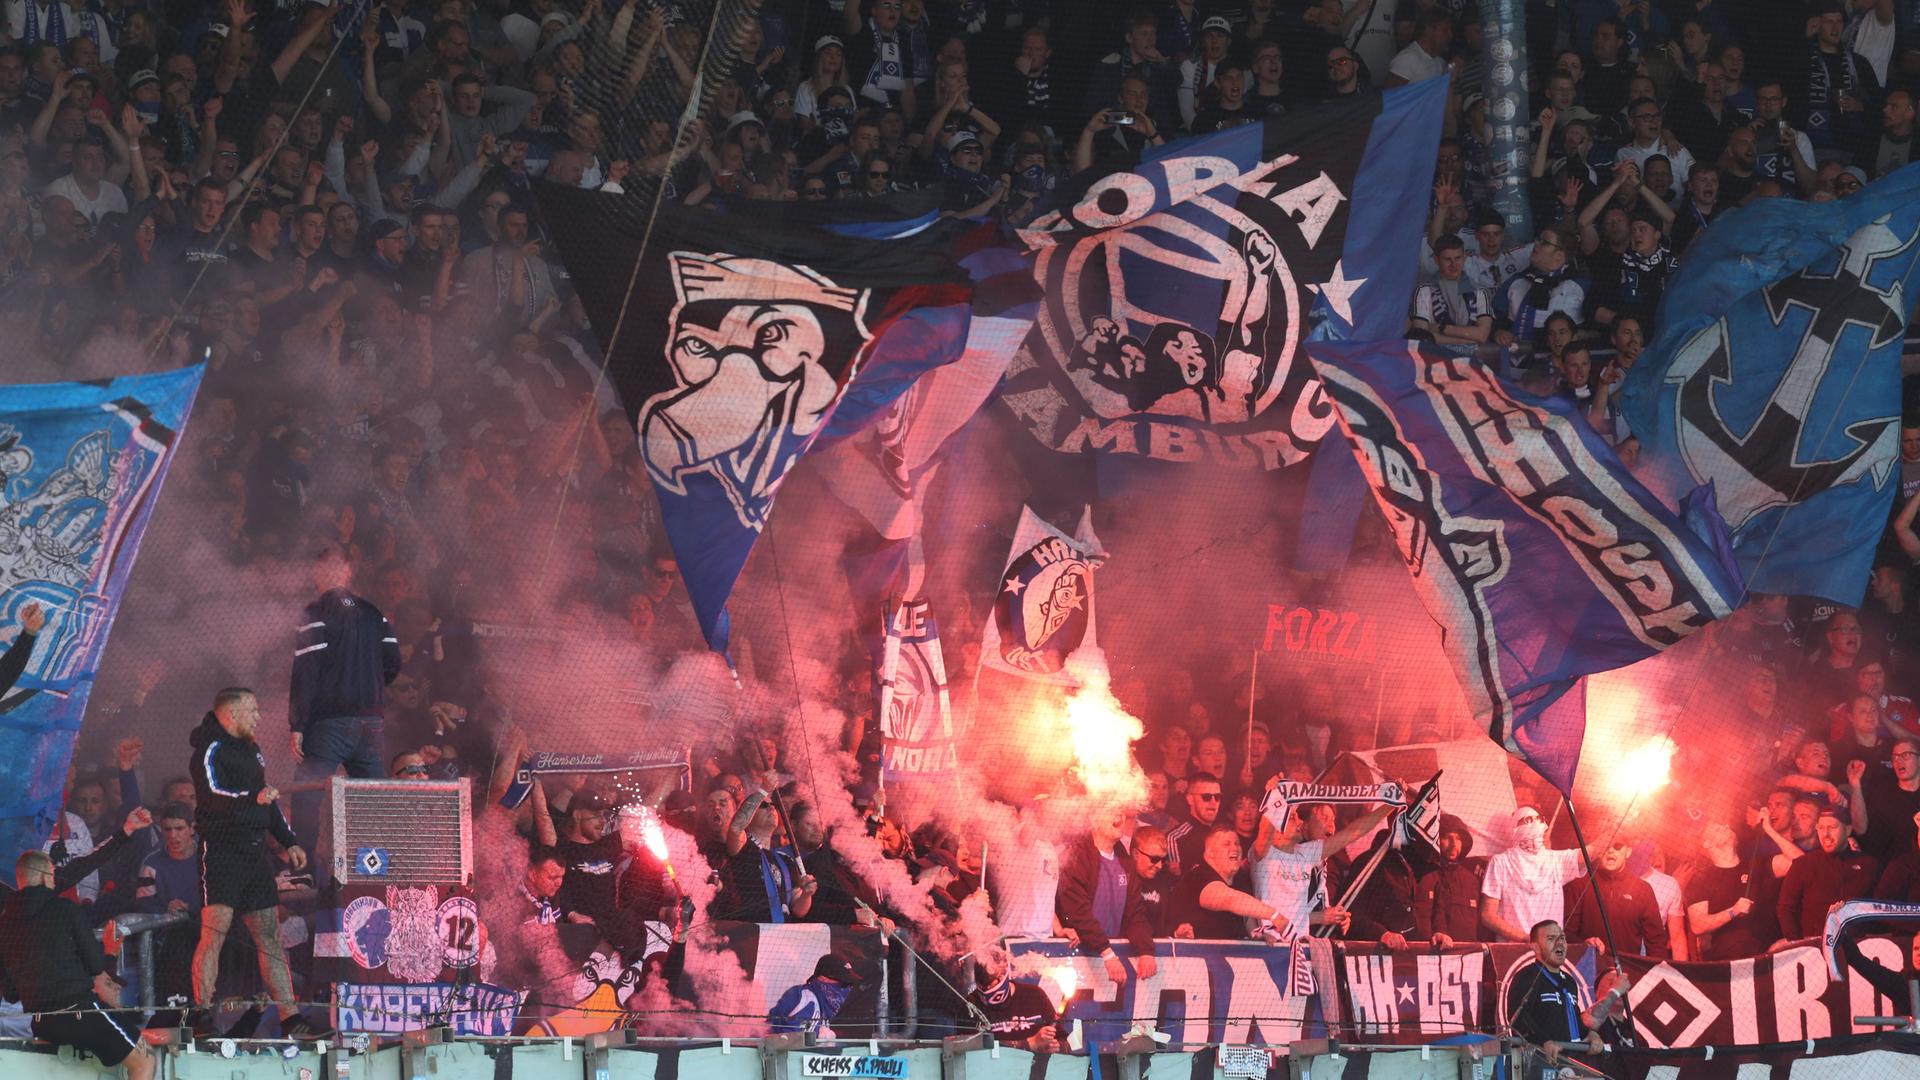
(411, 770)
(1215, 797)
(878, 174)
(1152, 858)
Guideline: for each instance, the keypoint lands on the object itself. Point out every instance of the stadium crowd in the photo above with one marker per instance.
(334, 204)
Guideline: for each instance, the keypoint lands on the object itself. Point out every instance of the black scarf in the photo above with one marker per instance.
(1540, 286)
(1823, 98)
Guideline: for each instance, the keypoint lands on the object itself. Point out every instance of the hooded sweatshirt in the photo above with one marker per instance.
(228, 775)
(1447, 899)
(48, 956)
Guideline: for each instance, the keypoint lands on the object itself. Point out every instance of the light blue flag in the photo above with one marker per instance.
(81, 466)
(1775, 378)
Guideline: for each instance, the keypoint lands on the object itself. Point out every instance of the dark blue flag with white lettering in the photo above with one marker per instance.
(1537, 552)
(735, 350)
(1179, 293)
(1775, 377)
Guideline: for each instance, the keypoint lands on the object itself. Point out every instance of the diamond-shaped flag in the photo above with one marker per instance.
(372, 861)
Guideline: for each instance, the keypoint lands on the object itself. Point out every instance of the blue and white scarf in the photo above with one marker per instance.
(55, 31)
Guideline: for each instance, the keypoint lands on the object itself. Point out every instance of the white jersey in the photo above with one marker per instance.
(1023, 895)
(1528, 884)
(1490, 274)
(1293, 882)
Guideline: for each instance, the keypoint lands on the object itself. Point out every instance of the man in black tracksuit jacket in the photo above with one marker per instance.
(344, 655)
(234, 809)
(51, 964)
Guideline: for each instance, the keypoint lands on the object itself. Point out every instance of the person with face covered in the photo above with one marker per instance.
(1020, 1014)
(1524, 884)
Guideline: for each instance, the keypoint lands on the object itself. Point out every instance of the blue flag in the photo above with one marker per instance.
(1537, 552)
(1776, 379)
(735, 351)
(81, 465)
(1179, 293)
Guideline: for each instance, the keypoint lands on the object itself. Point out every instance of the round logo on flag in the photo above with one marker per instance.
(461, 931)
(365, 924)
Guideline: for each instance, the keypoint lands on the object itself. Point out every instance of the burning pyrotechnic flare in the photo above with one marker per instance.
(643, 823)
(1101, 733)
(1645, 769)
(1066, 980)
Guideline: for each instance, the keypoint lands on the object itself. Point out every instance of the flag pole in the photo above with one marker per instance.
(1606, 923)
(1586, 856)
(1253, 688)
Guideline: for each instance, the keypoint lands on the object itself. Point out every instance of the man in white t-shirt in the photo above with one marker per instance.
(1023, 889)
(1291, 874)
(1426, 56)
(87, 187)
(1523, 884)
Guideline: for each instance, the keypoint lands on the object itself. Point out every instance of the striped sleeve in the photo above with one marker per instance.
(213, 775)
(310, 638)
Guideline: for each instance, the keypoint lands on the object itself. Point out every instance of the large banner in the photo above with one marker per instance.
(1539, 554)
(81, 466)
(401, 958)
(1786, 997)
(734, 350)
(1178, 292)
(1372, 994)
(916, 715)
(1775, 378)
(403, 934)
(1204, 991)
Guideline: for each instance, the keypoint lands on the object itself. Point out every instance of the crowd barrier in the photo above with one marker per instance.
(611, 1057)
(1203, 993)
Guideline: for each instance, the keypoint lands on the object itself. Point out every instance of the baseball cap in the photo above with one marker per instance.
(141, 78)
(744, 116)
(837, 968)
(1857, 173)
(961, 138)
(590, 800)
(384, 228)
(81, 73)
(826, 40)
(216, 29)
(1217, 22)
